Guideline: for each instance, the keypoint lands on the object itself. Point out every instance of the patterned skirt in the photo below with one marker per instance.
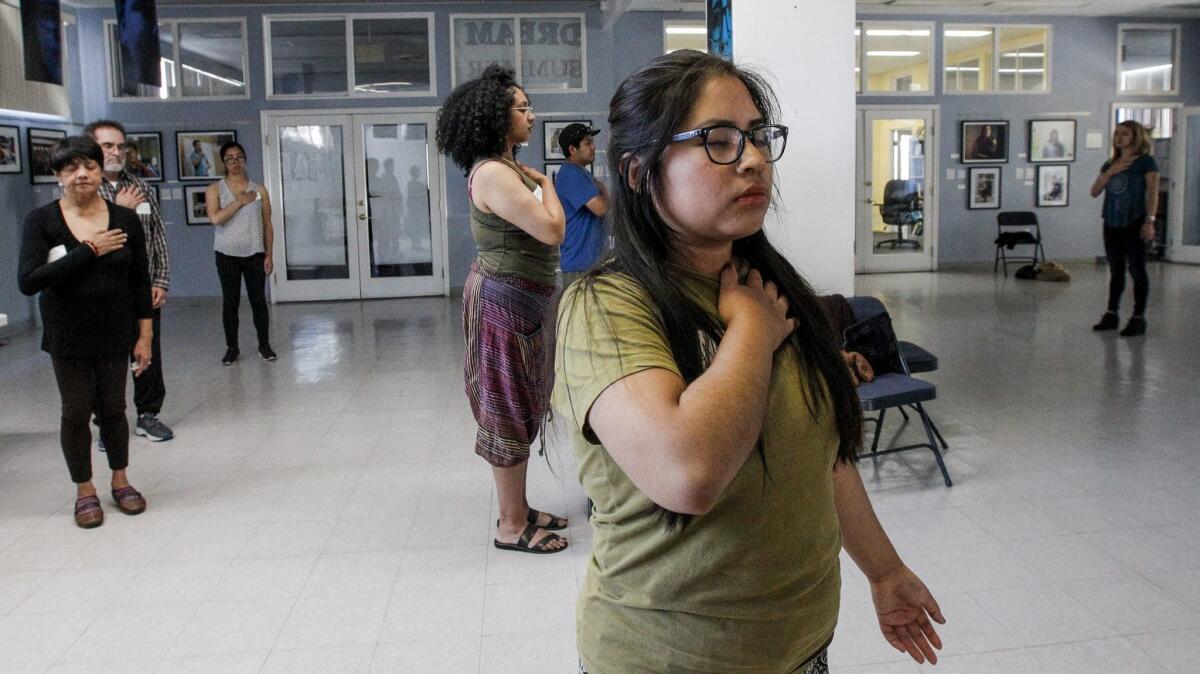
(506, 321)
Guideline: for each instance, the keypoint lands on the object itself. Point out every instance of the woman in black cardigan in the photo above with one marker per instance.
(87, 258)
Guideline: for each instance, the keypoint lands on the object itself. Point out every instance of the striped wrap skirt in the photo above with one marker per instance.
(508, 326)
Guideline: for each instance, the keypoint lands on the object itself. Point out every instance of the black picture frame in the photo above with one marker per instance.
(10, 150)
(984, 185)
(550, 130)
(148, 145)
(974, 150)
(194, 197)
(39, 144)
(1049, 193)
(1046, 142)
(210, 144)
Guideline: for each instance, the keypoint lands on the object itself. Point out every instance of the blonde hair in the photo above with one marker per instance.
(1141, 139)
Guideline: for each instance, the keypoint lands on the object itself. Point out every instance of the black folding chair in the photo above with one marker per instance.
(894, 386)
(1017, 228)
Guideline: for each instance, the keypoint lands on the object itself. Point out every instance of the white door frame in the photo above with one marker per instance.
(1176, 251)
(926, 260)
(272, 178)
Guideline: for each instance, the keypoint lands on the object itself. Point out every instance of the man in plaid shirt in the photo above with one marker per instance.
(125, 189)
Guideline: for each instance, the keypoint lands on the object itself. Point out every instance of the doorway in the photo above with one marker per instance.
(357, 200)
(896, 212)
(1184, 219)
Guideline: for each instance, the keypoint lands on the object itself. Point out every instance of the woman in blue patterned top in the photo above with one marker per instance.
(1129, 182)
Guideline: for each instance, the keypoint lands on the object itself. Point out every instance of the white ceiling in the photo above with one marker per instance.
(1139, 8)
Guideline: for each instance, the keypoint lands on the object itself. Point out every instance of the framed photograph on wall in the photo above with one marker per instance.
(198, 153)
(10, 149)
(983, 188)
(195, 203)
(1053, 185)
(41, 146)
(144, 156)
(550, 131)
(1051, 140)
(552, 170)
(984, 142)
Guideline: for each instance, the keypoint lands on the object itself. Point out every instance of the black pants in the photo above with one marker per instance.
(231, 270)
(1124, 248)
(84, 383)
(148, 389)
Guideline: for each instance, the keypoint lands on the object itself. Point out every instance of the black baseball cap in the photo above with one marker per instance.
(573, 134)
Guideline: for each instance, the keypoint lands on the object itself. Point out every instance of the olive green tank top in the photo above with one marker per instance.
(505, 248)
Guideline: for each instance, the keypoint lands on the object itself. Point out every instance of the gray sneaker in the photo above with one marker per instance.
(149, 427)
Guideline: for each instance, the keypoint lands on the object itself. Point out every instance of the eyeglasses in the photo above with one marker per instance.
(527, 110)
(235, 159)
(114, 146)
(725, 144)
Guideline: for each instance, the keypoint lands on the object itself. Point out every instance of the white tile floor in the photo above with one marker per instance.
(324, 513)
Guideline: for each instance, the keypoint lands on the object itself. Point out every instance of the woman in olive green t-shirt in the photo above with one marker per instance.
(712, 416)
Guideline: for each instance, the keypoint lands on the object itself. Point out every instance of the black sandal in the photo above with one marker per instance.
(556, 523)
(538, 548)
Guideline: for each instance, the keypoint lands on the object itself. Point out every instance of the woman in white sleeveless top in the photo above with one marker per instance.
(240, 211)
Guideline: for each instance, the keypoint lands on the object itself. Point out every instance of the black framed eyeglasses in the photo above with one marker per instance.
(725, 144)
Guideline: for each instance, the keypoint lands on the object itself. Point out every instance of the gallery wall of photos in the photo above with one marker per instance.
(1051, 147)
(198, 162)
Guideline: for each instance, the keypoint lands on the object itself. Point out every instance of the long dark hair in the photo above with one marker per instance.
(475, 120)
(647, 109)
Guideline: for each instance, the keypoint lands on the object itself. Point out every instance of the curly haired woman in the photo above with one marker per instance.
(518, 223)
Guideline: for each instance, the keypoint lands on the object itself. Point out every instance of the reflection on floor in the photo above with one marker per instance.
(325, 512)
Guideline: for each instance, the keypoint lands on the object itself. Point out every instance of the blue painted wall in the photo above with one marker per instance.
(1083, 79)
(638, 35)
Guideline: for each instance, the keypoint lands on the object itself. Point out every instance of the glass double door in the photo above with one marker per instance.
(356, 206)
(1183, 222)
(896, 209)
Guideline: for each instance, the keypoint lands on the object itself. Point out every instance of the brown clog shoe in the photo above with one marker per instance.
(88, 514)
(129, 500)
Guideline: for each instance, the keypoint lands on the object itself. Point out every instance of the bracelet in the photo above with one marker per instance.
(1151, 219)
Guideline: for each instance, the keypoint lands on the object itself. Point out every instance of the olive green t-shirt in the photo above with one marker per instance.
(751, 586)
(505, 248)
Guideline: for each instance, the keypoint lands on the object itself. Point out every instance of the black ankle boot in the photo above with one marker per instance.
(1136, 326)
(1109, 321)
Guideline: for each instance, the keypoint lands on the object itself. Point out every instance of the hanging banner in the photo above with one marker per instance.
(40, 26)
(137, 30)
(720, 28)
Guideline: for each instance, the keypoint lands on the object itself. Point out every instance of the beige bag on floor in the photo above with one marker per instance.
(1052, 271)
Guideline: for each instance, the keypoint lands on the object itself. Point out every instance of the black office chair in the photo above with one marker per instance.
(894, 385)
(902, 207)
(1017, 228)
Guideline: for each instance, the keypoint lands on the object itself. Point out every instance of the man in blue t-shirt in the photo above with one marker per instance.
(584, 200)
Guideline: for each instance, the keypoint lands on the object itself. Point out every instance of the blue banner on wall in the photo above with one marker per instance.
(40, 22)
(137, 30)
(720, 28)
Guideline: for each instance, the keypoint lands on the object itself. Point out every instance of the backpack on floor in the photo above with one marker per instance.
(1027, 273)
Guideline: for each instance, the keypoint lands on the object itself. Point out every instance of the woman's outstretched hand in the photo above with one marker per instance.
(756, 304)
(904, 606)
